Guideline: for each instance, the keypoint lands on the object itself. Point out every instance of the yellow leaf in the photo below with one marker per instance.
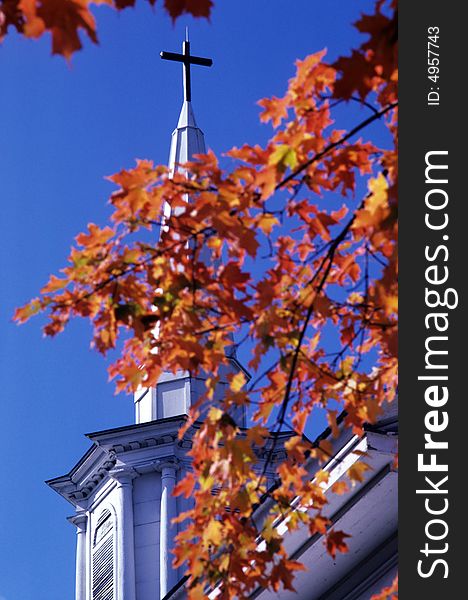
(213, 533)
(237, 382)
(376, 207)
(356, 472)
(283, 157)
(215, 414)
(267, 222)
(322, 476)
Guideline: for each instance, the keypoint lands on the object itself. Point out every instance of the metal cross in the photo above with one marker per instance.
(187, 59)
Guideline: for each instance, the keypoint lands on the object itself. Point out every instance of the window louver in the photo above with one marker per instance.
(103, 568)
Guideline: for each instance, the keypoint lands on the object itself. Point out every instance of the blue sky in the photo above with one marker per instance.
(62, 129)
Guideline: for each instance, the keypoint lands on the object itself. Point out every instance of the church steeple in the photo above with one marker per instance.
(175, 393)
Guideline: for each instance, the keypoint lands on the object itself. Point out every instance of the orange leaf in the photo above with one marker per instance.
(54, 284)
(275, 109)
(185, 486)
(356, 472)
(26, 312)
(335, 542)
(339, 487)
(319, 525)
(63, 18)
(95, 237)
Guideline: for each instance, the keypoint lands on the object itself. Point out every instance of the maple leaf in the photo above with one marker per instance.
(282, 573)
(10, 15)
(340, 487)
(331, 418)
(55, 284)
(237, 382)
(374, 65)
(357, 470)
(63, 18)
(213, 533)
(196, 8)
(275, 109)
(185, 486)
(24, 313)
(335, 542)
(319, 525)
(266, 223)
(95, 237)
(283, 157)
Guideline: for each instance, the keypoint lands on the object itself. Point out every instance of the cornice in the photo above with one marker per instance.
(77, 485)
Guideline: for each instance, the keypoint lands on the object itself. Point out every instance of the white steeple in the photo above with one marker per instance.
(175, 393)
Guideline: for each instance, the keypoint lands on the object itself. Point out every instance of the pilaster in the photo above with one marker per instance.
(125, 533)
(168, 530)
(80, 520)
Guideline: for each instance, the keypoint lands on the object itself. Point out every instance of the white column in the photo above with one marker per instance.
(80, 520)
(125, 535)
(167, 529)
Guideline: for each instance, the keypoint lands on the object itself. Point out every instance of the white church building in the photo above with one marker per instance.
(121, 489)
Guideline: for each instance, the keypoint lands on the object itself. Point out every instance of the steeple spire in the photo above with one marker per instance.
(187, 137)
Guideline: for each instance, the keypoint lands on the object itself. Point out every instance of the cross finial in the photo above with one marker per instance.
(187, 59)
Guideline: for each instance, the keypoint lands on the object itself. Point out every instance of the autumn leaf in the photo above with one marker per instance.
(376, 207)
(283, 157)
(213, 533)
(322, 476)
(185, 486)
(374, 64)
(357, 470)
(54, 285)
(335, 542)
(331, 418)
(95, 237)
(319, 525)
(340, 488)
(266, 223)
(275, 109)
(282, 573)
(63, 19)
(24, 313)
(196, 8)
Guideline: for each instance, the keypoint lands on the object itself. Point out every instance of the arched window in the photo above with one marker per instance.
(103, 558)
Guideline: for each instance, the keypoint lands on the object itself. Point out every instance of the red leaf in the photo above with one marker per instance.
(335, 542)
(197, 8)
